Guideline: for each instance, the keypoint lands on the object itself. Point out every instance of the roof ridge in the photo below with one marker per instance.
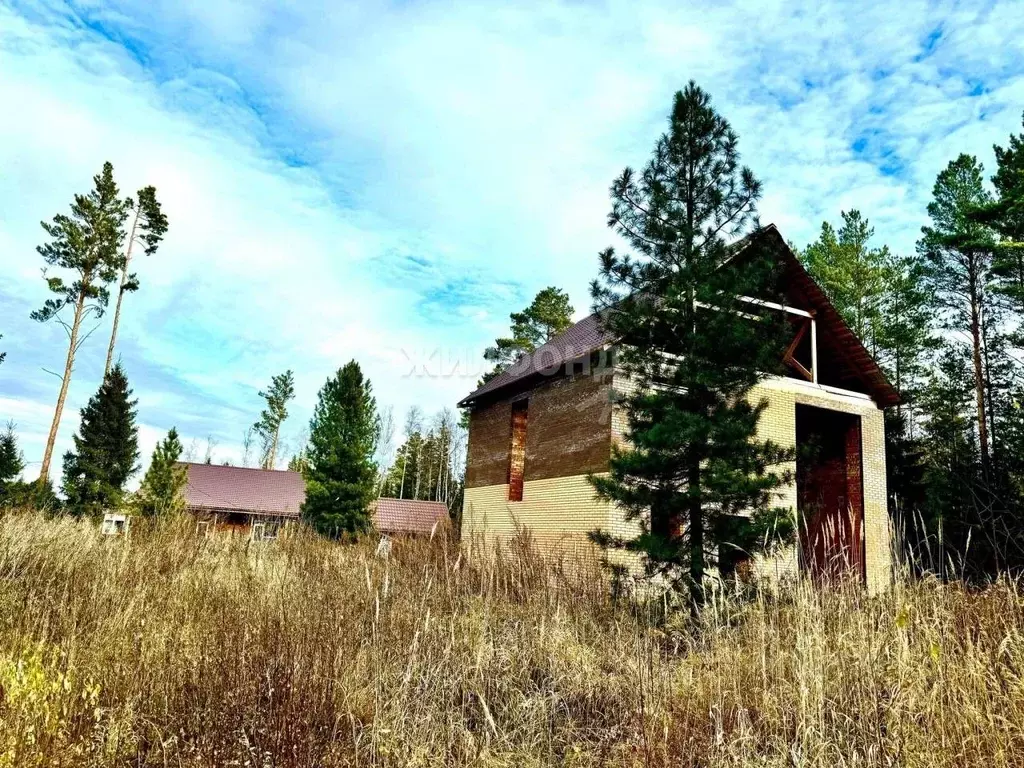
(411, 501)
(235, 466)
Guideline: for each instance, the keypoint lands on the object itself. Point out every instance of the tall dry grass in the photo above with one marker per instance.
(165, 649)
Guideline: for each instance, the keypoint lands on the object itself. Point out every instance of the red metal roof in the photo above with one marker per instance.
(408, 516)
(240, 489)
(587, 336)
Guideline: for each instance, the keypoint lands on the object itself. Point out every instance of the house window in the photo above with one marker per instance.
(517, 454)
(203, 528)
(264, 531)
(114, 524)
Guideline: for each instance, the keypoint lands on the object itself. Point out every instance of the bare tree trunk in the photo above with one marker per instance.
(440, 465)
(247, 447)
(430, 482)
(120, 293)
(44, 472)
(272, 453)
(405, 464)
(989, 405)
(419, 455)
(979, 380)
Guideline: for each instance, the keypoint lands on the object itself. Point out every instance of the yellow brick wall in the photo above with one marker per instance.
(558, 512)
(561, 511)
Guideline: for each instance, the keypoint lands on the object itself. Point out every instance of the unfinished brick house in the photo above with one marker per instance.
(537, 430)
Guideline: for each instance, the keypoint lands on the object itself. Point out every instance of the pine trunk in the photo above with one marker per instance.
(419, 460)
(44, 471)
(979, 378)
(120, 295)
(272, 456)
(993, 436)
(696, 531)
(405, 463)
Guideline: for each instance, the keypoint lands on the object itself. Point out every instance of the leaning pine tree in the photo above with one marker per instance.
(161, 489)
(692, 473)
(340, 473)
(106, 449)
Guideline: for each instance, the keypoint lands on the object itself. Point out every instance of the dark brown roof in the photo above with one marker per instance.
(587, 336)
(408, 516)
(578, 341)
(270, 492)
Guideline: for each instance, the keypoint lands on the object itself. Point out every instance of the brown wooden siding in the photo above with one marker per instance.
(569, 432)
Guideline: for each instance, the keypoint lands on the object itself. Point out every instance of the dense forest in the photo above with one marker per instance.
(946, 325)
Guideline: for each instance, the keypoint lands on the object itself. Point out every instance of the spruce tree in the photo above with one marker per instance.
(268, 428)
(692, 473)
(160, 492)
(340, 476)
(11, 462)
(547, 316)
(106, 449)
(87, 244)
(149, 225)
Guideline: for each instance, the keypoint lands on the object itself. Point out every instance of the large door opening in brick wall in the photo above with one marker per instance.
(517, 452)
(830, 493)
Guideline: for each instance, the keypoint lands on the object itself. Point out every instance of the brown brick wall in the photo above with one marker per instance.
(568, 432)
(570, 428)
(490, 434)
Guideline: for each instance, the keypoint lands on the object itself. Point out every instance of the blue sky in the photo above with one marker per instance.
(387, 181)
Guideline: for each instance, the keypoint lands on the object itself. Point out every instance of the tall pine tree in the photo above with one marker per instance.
(1005, 215)
(106, 449)
(958, 249)
(268, 428)
(693, 473)
(340, 474)
(87, 243)
(161, 489)
(149, 225)
(851, 273)
(548, 315)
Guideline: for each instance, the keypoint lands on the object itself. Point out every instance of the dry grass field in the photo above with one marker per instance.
(167, 650)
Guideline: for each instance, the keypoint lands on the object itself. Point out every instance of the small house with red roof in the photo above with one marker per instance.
(258, 503)
(409, 517)
(254, 502)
